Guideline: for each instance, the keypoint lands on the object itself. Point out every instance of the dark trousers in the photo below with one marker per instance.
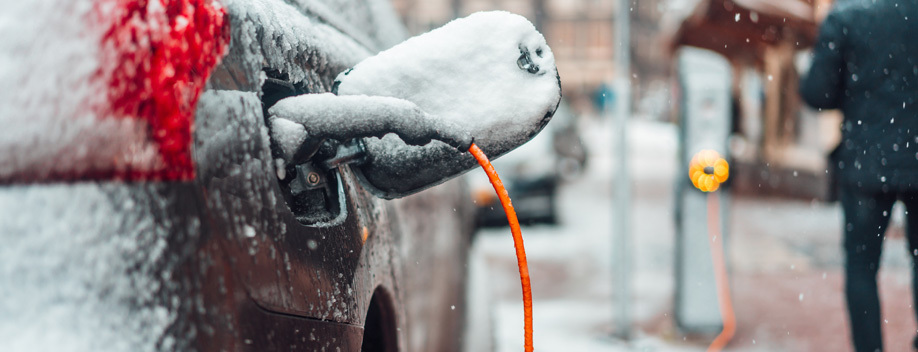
(866, 218)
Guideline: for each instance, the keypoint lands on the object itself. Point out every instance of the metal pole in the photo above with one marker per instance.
(622, 182)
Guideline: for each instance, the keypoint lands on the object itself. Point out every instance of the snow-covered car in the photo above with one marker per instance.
(533, 172)
(116, 238)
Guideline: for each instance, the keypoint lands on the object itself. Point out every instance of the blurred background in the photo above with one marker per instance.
(617, 235)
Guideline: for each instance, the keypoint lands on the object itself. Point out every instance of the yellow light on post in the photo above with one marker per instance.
(708, 170)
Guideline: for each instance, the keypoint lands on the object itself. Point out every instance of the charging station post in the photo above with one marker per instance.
(705, 123)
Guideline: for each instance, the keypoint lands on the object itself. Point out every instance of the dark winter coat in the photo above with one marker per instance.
(866, 64)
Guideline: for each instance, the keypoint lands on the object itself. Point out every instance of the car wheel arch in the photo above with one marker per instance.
(381, 331)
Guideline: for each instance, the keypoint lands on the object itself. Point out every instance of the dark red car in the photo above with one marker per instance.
(124, 234)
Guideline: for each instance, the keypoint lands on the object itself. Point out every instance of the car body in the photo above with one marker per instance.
(235, 258)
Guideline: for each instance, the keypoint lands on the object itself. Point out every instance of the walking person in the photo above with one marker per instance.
(866, 64)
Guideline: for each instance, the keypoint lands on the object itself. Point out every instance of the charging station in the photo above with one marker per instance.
(705, 123)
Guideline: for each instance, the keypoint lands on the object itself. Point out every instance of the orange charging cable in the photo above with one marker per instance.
(517, 240)
(707, 171)
(720, 276)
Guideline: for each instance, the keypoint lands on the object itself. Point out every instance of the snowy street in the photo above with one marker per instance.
(786, 266)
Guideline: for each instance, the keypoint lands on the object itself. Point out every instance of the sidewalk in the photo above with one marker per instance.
(789, 284)
(786, 272)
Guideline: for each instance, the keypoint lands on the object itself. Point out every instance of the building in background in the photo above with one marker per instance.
(581, 35)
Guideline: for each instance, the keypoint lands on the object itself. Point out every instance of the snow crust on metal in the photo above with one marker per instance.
(372, 23)
(48, 55)
(73, 278)
(272, 33)
(490, 77)
(467, 72)
(344, 117)
(85, 267)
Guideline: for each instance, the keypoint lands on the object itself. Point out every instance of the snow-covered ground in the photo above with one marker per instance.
(786, 266)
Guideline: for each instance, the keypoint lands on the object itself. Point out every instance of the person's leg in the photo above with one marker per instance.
(911, 232)
(866, 218)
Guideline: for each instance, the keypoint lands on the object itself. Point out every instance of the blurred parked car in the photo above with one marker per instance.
(242, 255)
(533, 173)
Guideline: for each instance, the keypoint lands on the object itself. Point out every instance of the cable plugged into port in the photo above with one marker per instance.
(405, 118)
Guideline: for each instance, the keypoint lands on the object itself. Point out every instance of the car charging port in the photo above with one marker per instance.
(311, 192)
(307, 180)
